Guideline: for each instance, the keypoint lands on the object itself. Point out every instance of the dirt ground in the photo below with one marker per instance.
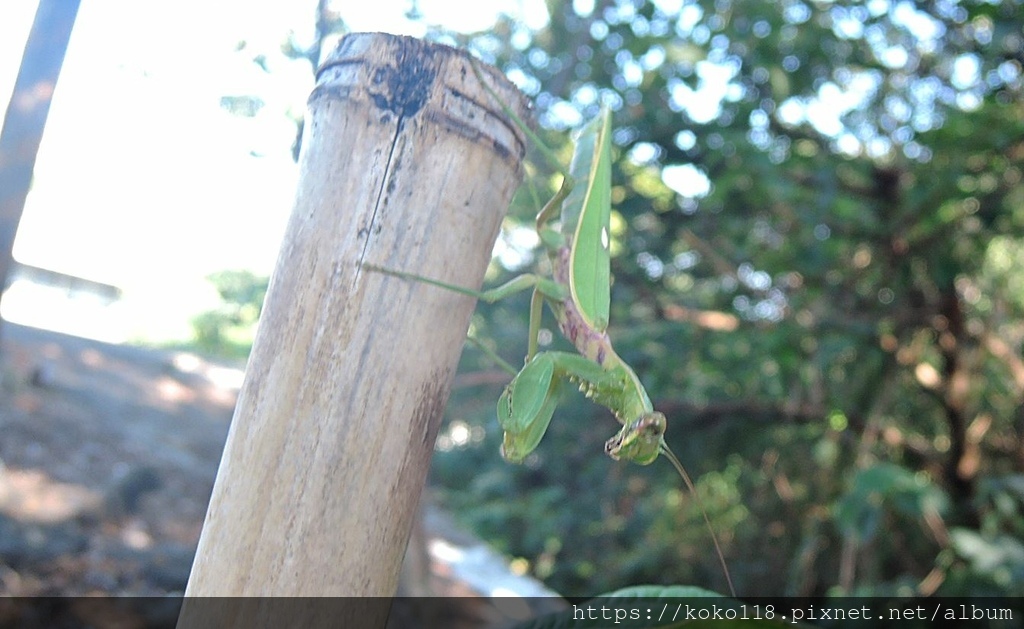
(108, 455)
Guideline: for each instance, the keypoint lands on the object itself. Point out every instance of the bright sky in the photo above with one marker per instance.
(143, 180)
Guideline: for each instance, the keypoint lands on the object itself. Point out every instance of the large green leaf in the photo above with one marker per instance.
(659, 606)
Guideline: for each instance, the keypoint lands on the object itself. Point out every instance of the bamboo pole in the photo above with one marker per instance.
(407, 163)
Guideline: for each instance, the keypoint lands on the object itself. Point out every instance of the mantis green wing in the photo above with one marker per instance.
(586, 213)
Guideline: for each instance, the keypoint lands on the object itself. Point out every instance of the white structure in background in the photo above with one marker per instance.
(52, 300)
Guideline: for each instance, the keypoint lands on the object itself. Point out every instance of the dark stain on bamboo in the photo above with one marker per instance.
(402, 87)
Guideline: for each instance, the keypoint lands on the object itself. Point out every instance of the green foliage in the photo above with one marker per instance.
(229, 329)
(884, 489)
(818, 231)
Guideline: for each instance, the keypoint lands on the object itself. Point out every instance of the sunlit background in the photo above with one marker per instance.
(144, 181)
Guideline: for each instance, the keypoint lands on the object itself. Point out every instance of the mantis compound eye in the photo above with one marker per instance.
(651, 425)
(638, 441)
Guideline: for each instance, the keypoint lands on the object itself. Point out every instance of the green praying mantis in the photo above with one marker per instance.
(578, 295)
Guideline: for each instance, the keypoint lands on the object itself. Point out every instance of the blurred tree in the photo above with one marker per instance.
(229, 329)
(817, 241)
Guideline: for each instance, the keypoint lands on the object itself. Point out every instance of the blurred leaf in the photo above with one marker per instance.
(859, 511)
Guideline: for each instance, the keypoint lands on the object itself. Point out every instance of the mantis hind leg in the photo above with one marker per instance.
(548, 288)
(536, 312)
(553, 238)
(493, 355)
(542, 288)
(546, 151)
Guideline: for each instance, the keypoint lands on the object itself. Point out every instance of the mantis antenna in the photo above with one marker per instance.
(700, 505)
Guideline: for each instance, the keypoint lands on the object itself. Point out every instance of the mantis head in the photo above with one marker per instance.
(639, 441)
